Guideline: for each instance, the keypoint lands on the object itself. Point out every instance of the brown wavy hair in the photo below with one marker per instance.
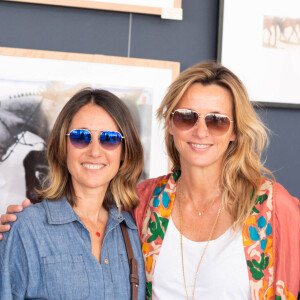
(243, 169)
(122, 188)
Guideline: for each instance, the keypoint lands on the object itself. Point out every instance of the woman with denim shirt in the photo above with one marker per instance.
(70, 246)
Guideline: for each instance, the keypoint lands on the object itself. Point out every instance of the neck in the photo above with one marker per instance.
(200, 190)
(199, 186)
(90, 206)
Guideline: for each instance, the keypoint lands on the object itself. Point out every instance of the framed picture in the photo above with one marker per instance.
(167, 9)
(34, 86)
(260, 42)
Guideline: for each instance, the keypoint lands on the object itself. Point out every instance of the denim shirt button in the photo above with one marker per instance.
(119, 218)
(106, 261)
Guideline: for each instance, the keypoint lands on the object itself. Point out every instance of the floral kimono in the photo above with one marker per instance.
(271, 236)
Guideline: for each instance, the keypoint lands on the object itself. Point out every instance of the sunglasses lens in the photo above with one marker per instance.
(217, 124)
(110, 139)
(185, 119)
(80, 138)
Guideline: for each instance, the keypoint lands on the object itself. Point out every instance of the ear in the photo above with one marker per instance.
(170, 126)
(233, 136)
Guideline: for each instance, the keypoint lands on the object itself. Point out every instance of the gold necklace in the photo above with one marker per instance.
(95, 228)
(208, 240)
(200, 212)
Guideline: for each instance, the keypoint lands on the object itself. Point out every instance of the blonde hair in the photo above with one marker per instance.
(243, 170)
(122, 188)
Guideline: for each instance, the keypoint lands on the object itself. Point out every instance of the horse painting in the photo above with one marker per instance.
(20, 114)
(281, 30)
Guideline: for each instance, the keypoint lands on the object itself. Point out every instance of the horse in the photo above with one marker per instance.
(36, 170)
(20, 114)
(289, 29)
(273, 27)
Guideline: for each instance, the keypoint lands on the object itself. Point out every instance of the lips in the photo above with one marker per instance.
(200, 146)
(93, 166)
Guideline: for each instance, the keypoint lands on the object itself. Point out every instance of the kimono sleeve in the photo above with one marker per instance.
(286, 243)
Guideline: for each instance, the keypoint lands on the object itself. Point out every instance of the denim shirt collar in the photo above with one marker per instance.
(61, 212)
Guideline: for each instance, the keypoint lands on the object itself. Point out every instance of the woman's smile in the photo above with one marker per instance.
(200, 146)
(93, 166)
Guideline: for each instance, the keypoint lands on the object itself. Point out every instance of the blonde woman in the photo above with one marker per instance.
(70, 246)
(216, 227)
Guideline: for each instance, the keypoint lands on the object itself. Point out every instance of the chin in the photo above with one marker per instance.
(203, 163)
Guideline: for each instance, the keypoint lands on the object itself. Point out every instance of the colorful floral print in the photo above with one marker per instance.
(155, 224)
(257, 239)
(261, 232)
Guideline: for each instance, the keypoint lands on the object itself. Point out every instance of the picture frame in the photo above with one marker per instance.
(167, 9)
(35, 84)
(260, 42)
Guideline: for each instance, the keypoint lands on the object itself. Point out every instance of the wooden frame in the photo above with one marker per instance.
(167, 9)
(48, 79)
(258, 43)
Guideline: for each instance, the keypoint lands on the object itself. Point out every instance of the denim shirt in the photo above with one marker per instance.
(47, 255)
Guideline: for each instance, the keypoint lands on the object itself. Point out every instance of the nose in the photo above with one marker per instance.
(94, 147)
(200, 128)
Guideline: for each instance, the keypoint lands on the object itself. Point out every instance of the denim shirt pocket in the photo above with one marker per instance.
(66, 277)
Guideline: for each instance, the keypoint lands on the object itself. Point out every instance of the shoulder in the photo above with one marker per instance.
(41, 215)
(145, 188)
(30, 214)
(286, 206)
(285, 210)
(280, 197)
(129, 220)
(283, 198)
(145, 191)
(275, 201)
(28, 221)
(22, 230)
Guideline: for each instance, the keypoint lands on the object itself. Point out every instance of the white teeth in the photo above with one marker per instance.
(93, 167)
(200, 146)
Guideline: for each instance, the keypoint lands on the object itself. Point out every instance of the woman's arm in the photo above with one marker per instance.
(10, 216)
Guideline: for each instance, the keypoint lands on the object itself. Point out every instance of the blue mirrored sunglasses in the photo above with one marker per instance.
(81, 138)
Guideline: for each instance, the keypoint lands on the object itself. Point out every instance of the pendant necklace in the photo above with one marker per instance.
(98, 234)
(86, 220)
(181, 244)
(93, 228)
(200, 212)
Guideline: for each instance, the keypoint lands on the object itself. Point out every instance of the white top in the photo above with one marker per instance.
(222, 274)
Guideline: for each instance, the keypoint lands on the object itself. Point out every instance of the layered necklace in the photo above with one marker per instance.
(181, 244)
